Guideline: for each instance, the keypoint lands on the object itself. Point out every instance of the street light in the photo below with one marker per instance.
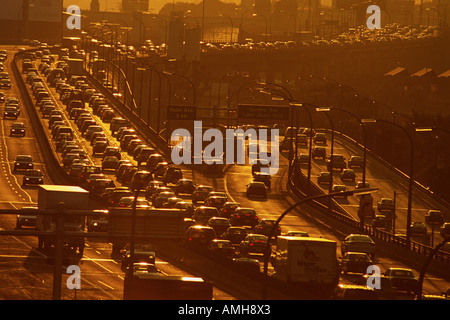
(411, 172)
(267, 251)
(326, 112)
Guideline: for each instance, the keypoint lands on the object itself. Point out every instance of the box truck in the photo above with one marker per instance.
(306, 260)
(74, 198)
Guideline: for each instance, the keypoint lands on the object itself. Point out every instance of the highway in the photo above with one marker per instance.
(102, 277)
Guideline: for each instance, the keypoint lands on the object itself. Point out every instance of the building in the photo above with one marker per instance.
(134, 5)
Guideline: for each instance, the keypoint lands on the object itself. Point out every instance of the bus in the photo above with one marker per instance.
(71, 43)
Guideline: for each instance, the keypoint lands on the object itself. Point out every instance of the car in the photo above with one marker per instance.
(161, 198)
(244, 217)
(338, 162)
(5, 83)
(18, 128)
(302, 139)
(265, 227)
(348, 175)
(221, 247)
(297, 234)
(152, 186)
(98, 222)
(403, 279)
(199, 236)
(320, 138)
(235, 234)
(27, 219)
(184, 186)
(256, 189)
(253, 243)
(434, 217)
(23, 162)
(247, 264)
(200, 193)
(152, 161)
(219, 224)
(215, 201)
(142, 253)
(385, 290)
(339, 188)
(202, 214)
(140, 179)
(228, 209)
(127, 202)
(185, 206)
(355, 262)
(33, 177)
(172, 175)
(11, 112)
(355, 162)
(144, 268)
(319, 152)
(358, 243)
(353, 292)
(99, 147)
(263, 177)
(386, 204)
(323, 178)
(110, 162)
(362, 185)
(112, 151)
(445, 229)
(379, 221)
(418, 228)
(260, 164)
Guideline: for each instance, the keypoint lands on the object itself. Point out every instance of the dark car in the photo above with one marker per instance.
(320, 137)
(402, 279)
(319, 152)
(418, 228)
(434, 217)
(355, 161)
(215, 201)
(110, 162)
(263, 177)
(11, 112)
(98, 222)
(265, 226)
(23, 162)
(219, 224)
(338, 162)
(386, 204)
(27, 218)
(244, 217)
(353, 292)
(33, 177)
(200, 193)
(112, 151)
(18, 128)
(256, 189)
(99, 147)
(142, 253)
(172, 175)
(184, 186)
(228, 209)
(348, 175)
(222, 248)
(203, 214)
(248, 265)
(235, 234)
(253, 243)
(355, 262)
(199, 236)
(445, 229)
(323, 178)
(358, 243)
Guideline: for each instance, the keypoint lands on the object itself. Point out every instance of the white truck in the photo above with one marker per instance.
(74, 198)
(306, 260)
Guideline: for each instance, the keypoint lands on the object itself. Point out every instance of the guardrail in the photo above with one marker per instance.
(382, 235)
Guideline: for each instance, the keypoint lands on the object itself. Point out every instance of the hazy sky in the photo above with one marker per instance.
(154, 5)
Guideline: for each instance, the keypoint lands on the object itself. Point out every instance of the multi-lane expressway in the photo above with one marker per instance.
(102, 277)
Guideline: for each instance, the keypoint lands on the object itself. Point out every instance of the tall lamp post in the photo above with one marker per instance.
(411, 172)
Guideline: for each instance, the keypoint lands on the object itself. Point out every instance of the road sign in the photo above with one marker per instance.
(263, 112)
(181, 112)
